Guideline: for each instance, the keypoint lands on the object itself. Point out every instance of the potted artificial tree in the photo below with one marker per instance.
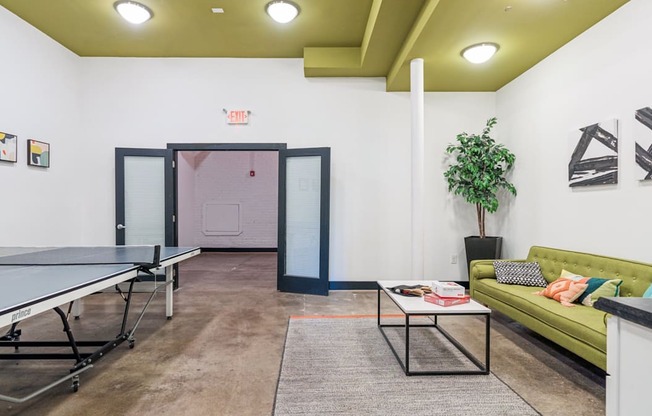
(477, 172)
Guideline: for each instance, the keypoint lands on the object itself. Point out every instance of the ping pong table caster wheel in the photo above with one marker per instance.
(75, 384)
(131, 344)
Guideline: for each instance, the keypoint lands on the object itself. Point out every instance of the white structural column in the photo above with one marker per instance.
(418, 151)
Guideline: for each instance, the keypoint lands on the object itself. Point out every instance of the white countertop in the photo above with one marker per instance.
(417, 305)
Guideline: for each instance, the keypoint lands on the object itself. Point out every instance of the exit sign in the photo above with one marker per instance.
(237, 117)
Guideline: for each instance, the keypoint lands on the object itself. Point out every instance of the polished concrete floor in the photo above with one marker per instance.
(221, 353)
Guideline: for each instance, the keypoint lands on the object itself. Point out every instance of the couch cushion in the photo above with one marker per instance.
(597, 287)
(648, 292)
(519, 273)
(564, 291)
(580, 322)
(482, 269)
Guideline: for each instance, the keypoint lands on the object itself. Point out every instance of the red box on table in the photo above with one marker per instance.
(441, 301)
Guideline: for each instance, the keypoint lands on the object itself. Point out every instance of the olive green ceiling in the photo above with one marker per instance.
(336, 38)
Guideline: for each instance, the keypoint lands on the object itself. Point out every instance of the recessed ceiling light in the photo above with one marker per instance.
(133, 12)
(282, 11)
(479, 53)
(217, 10)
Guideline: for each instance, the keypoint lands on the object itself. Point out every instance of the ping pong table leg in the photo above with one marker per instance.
(77, 308)
(12, 334)
(123, 328)
(169, 290)
(68, 331)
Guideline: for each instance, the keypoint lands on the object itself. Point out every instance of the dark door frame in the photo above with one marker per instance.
(299, 284)
(170, 203)
(170, 198)
(198, 147)
(290, 283)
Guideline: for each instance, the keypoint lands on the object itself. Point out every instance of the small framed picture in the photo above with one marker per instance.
(38, 153)
(8, 147)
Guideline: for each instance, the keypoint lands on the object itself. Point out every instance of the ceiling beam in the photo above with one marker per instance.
(420, 23)
(342, 58)
(369, 30)
(333, 58)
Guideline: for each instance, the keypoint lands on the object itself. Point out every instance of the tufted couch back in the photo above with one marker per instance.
(636, 276)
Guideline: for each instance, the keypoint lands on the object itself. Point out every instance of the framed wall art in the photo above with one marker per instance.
(38, 153)
(8, 147)
(594, 156)
(643, 143)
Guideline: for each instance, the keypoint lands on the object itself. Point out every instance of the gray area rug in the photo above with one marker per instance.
(345, 367)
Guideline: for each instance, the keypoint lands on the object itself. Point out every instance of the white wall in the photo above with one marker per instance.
(602, 74)
(449, 218)
(39, 87)
(151, 102)
(88, 106)
(224, 177)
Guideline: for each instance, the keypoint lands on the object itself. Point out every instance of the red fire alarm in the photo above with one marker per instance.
(252, 173)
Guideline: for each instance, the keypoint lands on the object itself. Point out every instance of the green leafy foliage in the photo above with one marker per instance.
(478, 171)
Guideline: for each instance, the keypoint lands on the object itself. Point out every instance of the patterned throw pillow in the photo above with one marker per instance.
(564, 291)
(519, 273)
(597, 287)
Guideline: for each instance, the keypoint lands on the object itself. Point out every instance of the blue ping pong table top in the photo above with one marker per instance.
(28, 284)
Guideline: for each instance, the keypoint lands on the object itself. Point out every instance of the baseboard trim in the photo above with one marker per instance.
(239, 250)
(353, 285)
(367, 285)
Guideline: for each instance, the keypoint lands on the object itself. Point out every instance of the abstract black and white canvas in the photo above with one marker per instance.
(643, 142)
(594, 157)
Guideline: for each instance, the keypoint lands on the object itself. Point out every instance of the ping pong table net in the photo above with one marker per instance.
(146, 257)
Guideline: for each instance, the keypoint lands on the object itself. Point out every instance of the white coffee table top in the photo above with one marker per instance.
(414, 305)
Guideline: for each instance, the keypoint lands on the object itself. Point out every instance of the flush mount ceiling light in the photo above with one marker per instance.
(282, 11)
(133, 12)
(479, 53)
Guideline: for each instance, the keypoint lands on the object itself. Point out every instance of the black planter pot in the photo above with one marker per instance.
(482, 248)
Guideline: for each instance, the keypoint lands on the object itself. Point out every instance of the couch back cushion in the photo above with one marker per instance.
(636, 276)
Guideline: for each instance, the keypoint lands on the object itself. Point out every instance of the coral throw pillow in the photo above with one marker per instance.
(597, 287)
(564, 291)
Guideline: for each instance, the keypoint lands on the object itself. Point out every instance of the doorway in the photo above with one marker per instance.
(303, 207)
(227, 200)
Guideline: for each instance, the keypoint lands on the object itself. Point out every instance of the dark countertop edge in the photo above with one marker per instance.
(637, 310)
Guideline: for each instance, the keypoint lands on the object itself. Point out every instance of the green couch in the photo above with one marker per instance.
(580, 329)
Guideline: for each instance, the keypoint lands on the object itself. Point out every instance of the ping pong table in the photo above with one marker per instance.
(39, 279)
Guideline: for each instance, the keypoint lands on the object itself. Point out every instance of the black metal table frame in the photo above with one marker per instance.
(83, 360)
(482, 368)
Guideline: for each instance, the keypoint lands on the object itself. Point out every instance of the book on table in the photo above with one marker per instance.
(446, 301)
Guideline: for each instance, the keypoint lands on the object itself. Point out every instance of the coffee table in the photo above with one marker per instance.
(417, 306)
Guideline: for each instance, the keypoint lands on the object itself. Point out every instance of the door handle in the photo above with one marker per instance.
(120, 227)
